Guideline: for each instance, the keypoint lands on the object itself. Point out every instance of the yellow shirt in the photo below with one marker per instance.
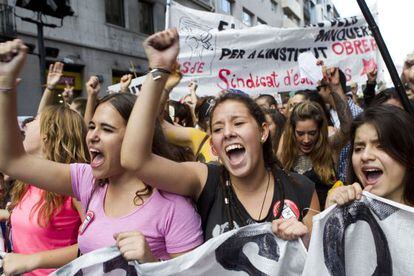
(198, 141)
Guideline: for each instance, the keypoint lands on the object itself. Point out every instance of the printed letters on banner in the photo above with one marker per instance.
(220, 52)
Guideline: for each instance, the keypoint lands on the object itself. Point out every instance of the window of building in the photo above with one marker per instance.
(274, 5)
(114, 12)
(146, 18)
(261, 21)
(247, 17)
(225, 6)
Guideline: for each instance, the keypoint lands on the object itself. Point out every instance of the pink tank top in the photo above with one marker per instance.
(29, 237)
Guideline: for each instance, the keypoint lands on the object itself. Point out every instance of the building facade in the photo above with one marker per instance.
(105, 37)
(252, 13)
(315, 11)
(276, 13)
(101, 38)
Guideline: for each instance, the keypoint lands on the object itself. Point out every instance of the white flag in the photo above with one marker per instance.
(251, 250)
(373, 236)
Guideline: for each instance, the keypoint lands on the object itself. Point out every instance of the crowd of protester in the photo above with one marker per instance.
(158, 177)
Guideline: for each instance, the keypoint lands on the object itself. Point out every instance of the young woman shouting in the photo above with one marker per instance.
(248, 187)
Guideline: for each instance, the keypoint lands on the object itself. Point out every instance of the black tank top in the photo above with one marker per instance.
(298, 191)
(321, 188)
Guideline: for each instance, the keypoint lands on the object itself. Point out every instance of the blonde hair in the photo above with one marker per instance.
(63, 132)
(321, 155)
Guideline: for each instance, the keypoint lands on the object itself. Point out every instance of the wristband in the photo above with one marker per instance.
(160, 69)
(157, 73)
(5, 89)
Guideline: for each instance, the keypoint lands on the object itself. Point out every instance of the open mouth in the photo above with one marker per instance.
(235, 153)
(306, 147)
(97, 158)
(372, 175)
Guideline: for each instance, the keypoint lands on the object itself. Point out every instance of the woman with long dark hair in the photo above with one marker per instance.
(382, 150)
(248, 187)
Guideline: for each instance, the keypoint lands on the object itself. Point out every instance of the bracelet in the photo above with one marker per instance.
(160, 70)
(157, 73)
(5, 89)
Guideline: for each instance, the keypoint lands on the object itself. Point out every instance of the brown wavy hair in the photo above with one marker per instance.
(63, 133)
(321, 154)
(124, 103)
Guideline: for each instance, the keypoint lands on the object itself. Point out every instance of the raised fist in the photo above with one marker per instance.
(93, 86)
(12, 57)
(162, 49)
(125, 82)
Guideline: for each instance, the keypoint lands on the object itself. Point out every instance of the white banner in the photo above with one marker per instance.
(251, 250)
(221, 53)
(195, 20)
(373, 236)
(264, 59)
(134, 87)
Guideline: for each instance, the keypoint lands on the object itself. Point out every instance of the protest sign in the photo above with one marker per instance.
(373, 236)
(251, 250)
(264, 59)
(308, 67)
(134, 87)
(222, 53)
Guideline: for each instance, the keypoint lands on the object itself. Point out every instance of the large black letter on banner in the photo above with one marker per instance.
(114, 264)
(1, 268)
(230, 253)
(119, 263)
(334, 239)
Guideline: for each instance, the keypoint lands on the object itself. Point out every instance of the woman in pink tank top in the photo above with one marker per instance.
(145, 224)
(40, 220)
